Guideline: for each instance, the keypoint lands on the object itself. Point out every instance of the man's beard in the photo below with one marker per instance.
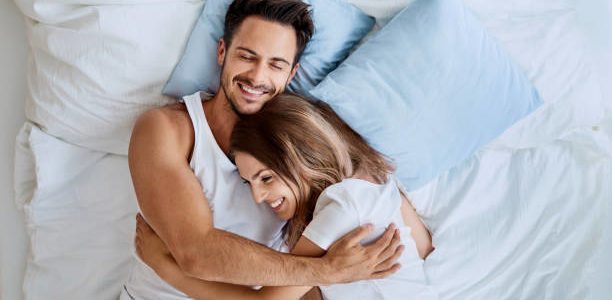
(226, 89)
(230, 100)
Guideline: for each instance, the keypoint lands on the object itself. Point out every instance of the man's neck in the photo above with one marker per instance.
(221, 119)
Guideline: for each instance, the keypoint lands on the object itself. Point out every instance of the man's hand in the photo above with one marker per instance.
(347, 260)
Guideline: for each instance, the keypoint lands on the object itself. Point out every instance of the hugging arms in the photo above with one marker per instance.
(309, 202)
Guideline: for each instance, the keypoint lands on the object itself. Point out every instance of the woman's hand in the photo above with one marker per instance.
(150, 248)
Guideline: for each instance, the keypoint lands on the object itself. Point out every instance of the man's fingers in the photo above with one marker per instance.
(358, 234)
(391, 247)
(386, 273)
(390, 261)
(383, 242)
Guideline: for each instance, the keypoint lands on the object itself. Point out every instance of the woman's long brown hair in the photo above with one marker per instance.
(307, 144)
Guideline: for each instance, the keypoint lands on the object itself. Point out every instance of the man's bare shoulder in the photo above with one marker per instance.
(163, 129)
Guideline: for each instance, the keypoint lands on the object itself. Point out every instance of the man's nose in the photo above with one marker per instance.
(258, 73)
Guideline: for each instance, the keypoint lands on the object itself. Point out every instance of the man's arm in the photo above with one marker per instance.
(155, 253)
(171, 199)
(204, 290)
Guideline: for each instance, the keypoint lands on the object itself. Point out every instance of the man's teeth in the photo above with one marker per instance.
(276, 203)
(251, 90)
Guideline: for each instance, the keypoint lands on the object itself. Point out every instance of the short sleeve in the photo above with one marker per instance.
(335, 215)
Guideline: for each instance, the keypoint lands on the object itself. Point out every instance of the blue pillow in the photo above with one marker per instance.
(429, 89)
(339, 26)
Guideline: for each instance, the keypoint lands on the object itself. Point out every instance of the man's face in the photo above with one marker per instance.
(258, 64)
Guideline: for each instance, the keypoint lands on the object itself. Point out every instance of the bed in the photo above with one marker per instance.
(526, 217)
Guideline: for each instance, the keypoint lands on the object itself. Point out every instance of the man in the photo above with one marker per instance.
(180, 170)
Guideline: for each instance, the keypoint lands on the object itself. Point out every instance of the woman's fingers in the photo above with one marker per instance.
(138, 222)
(142, 225)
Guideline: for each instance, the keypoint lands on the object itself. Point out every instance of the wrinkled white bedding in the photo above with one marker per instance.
(520, 224)
(79, 208)
(507, 224)
(520, 220)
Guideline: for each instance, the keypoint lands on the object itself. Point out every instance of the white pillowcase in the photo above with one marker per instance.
(382, 10)
(95, 67)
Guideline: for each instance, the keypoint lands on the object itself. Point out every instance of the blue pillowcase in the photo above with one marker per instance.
(429, 89)
(339, 26)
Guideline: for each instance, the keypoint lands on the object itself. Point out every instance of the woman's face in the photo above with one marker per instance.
(267, 186)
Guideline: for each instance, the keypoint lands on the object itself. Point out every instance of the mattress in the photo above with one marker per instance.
(525, 218)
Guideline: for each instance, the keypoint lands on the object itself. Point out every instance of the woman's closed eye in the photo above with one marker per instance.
(266, 178)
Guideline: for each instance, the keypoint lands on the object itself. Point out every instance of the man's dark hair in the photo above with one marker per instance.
(294, 13)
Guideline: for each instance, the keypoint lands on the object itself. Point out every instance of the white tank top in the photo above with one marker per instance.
(229, 198)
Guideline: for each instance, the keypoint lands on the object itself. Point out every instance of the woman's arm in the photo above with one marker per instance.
(420, 233)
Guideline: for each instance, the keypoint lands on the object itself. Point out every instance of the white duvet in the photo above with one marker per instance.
(522, 219)
(520, 224)
(507, 224)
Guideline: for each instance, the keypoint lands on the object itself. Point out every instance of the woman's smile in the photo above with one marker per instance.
(266, 186)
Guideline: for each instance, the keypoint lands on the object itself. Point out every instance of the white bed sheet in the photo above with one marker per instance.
(521, 224)
(596, 21)
(503, 274)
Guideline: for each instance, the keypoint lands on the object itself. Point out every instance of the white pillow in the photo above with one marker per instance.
(95, 67)
(79, 208)
(382, 10)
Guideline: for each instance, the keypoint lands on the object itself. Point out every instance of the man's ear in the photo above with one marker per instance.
(293, 72)
(221, 52)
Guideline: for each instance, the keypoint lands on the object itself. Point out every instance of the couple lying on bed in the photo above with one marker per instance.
(302, 182)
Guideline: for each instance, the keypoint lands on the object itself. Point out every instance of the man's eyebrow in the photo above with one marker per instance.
(281, 60)
(277, 59)
(247, 50)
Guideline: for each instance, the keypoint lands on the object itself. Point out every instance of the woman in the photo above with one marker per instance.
(321, 177)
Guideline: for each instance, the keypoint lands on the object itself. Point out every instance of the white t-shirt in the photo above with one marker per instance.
(353, 202)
